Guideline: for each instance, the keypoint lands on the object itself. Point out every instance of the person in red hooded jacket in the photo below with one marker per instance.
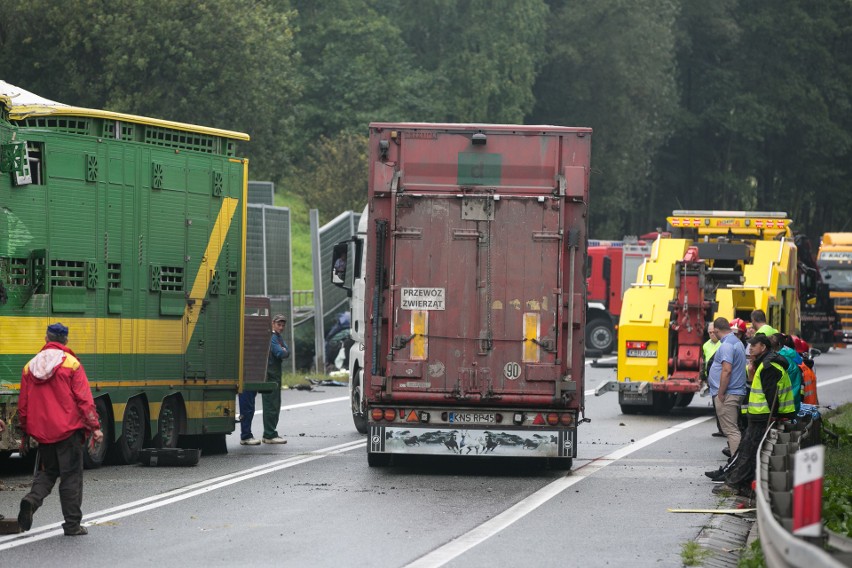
(56, 409)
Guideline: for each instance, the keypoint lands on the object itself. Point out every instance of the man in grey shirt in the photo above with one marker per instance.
(727, 381)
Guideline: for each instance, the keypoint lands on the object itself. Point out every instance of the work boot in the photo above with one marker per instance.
(76, 531)
(718, 435)
(275, 440)
(726, 452)
(713, 473)
(720, 478)
(25, 515)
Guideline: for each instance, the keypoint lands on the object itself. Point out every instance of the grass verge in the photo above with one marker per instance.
(752, 557)
(837, 484)
(692, 554)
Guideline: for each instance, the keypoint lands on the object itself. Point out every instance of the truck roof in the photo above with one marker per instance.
(837, 239)
(761, 224)
(543, 128)
(21, 104)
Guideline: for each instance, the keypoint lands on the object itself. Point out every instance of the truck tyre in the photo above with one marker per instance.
(630, 408)
(683, 399)
(359, 413)
(600, 336)
(663, 402)
(133, 431)
(171, 424)
(95, 455)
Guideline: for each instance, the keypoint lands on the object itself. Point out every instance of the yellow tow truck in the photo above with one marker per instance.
(708, 264)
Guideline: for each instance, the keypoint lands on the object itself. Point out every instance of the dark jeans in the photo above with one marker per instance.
(742, 473)
(271, 406)
(246, 413)
(63, 460)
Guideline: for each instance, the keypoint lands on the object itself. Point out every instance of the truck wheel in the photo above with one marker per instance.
(663, 402)
(171, 424)
(132, 438)
(359, 413)
(683, 399)
(600, 336)
(95, 455)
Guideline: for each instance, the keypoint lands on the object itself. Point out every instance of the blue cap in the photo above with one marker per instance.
(57, 329)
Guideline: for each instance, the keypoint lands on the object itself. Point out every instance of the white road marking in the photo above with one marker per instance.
(832, 381)
(462, 544)
(180, 494)
(314, 403)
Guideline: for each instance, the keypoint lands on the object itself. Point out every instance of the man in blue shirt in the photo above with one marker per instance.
(727, 381)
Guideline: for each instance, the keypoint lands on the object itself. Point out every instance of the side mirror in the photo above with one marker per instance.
(607, 268)
(339, 257)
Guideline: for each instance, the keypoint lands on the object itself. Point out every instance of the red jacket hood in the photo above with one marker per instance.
(43, 366)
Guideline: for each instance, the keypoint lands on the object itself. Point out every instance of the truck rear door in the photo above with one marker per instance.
(475, 276)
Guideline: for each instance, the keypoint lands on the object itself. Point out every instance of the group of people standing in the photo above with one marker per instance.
(755, 375)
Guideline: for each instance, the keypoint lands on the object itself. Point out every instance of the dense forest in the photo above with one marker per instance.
(728, 104)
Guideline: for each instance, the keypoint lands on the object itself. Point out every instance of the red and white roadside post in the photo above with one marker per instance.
(807, 491)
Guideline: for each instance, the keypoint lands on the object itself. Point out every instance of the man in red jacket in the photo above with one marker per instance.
(55, 407)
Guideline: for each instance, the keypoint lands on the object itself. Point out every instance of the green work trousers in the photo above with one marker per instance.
(271, 405)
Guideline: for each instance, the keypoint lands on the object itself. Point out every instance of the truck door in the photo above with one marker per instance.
(476, 294)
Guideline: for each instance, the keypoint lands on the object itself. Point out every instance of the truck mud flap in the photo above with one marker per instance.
(169, 457)
(474, 442)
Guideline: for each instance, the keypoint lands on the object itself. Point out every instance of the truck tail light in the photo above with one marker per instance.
(566, 419)
(553, 419)
(377, 414)
(390, 414)
(637, 344)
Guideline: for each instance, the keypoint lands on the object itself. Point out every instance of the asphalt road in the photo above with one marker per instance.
(315, 502)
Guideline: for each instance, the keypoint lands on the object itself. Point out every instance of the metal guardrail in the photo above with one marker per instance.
(774, 507)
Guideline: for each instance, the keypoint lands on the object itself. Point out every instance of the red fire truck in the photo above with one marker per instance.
(613, 266)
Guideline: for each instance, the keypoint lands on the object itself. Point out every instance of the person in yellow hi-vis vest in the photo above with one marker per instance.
(770, 399)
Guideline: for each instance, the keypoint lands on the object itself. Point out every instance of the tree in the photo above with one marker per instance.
(482, 57)
(333, 176)
(355, 68)
(223, 63)
(766, 110)
(611, 67)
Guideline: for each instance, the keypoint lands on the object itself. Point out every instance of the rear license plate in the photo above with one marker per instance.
(641, 352)
(472, 417)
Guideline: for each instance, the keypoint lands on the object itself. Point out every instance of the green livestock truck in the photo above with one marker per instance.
(130, 231)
